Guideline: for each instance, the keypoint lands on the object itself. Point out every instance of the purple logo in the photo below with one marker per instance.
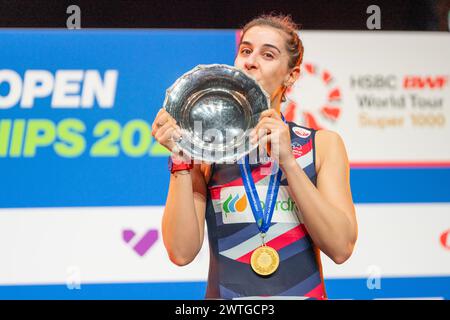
(144, 244)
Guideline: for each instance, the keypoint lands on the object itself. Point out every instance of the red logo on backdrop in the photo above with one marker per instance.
(427, 82)
(314, 100)
(445, 239)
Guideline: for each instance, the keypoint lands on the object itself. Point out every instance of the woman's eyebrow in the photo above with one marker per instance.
(271, 46)
(248, 43)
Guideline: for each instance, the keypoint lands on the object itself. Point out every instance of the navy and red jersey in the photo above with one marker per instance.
(233, 233)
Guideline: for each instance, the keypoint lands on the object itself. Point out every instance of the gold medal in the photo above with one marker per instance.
(265, 260)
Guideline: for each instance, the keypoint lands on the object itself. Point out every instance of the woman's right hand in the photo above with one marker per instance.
(165, 130)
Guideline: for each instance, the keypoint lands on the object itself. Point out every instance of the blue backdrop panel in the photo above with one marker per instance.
(148, 62)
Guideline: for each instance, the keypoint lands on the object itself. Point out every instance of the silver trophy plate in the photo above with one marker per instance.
(216, 107)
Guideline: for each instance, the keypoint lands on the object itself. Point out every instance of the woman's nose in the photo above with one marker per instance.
(250, 63)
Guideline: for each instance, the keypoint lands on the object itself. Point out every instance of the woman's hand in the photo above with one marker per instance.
(272, 132)
(165, 130)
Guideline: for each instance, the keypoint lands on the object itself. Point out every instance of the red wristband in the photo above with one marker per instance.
(178, 166)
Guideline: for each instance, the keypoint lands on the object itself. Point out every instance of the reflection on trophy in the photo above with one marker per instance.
(216, 107)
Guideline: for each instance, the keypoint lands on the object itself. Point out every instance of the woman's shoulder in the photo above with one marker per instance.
(327, 136)
(328, 143)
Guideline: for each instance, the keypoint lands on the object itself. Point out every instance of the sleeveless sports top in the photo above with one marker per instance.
(233, 233)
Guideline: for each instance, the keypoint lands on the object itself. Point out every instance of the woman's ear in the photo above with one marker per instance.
(293, 76)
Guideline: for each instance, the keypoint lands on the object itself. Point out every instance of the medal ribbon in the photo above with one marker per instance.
(262, 217)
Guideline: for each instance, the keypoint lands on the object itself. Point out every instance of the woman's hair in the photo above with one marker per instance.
(285, 23)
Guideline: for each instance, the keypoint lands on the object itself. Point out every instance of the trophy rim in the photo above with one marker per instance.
(207, 152)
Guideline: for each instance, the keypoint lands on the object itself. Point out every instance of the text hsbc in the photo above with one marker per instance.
(369, 81)
(68, 88)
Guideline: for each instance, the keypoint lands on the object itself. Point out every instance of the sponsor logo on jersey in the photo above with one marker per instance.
(302, 133)
(297, 150)
(236, 207)
(235, 204)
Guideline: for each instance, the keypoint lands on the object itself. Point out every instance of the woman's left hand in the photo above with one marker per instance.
(272, 130)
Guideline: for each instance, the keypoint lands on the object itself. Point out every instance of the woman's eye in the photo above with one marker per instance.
(245, 51)
(268, 55)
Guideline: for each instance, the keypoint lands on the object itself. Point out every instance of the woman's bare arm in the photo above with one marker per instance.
(183, 221)
(328, 210)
